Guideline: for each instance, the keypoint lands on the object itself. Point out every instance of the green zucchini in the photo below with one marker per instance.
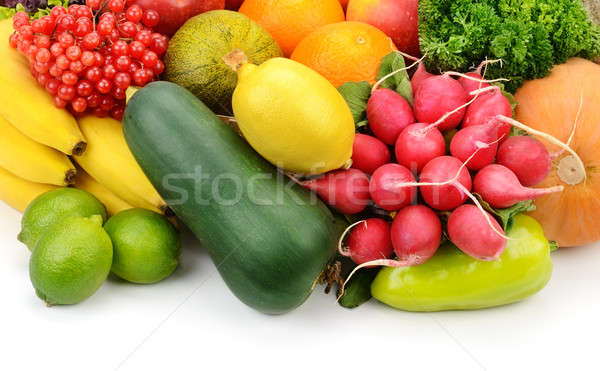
(271, 240)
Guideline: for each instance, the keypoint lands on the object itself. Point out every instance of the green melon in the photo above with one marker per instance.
(196, 55)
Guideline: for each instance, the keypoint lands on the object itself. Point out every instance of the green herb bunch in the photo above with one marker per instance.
(530, 36)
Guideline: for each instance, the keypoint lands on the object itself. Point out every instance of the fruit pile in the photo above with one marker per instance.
(427, 175)
(137, 245)
(87, 58)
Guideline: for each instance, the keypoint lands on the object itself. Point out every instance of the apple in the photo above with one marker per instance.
(399, 19)
(233, 4)
(174, 13)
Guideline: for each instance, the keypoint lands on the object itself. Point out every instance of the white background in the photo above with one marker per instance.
(191, 322)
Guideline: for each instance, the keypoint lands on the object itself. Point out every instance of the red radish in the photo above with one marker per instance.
(420, 75)
(369, 240)
(388, 114)
(485, 108)
(445, 169)
(369, 153)
(480, 139)
(437, 96)
(345, 190)
(415, 146)
(470, 85)
(527, 157)
(386, 189)
(470, 230)
(500, 187)
(416, 234)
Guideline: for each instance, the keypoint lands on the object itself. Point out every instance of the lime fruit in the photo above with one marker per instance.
(55, 205)
(146, 246)
(71, 260)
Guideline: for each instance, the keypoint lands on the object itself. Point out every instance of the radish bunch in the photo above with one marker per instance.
(405, 156)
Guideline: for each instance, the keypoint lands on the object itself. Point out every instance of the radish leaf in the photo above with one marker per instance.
(357, 95)
(399, 82)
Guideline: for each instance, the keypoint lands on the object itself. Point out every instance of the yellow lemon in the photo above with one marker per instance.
(293, 116)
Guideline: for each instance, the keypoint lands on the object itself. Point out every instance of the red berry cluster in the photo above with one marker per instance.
(87, 56)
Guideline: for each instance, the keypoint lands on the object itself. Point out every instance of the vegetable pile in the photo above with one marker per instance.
(530, 36)
(475, 117)
(342, 167)
(492, 167)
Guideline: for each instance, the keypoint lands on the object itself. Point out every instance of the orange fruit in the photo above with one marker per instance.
(289, 21)
(345, 51)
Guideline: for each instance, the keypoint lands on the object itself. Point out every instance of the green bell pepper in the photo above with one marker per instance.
(452, 280)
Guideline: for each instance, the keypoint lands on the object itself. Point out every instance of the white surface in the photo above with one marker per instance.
(191, 321)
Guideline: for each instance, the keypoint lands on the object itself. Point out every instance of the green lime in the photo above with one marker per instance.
(146, 246)
(53, 206)
(71, 260)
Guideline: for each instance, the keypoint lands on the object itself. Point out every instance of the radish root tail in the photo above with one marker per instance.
(425, 130)
(458, 74)
(486, 62)
(408, 56)
(485, 213)
(480, 146)
(378, 83)
(582, 171)
(380, 263)
(341, 249)
(483, 90)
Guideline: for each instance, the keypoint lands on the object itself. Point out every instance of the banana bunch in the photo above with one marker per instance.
(18, 192)
(31, 160)
(27, 105)
(112, 202)
(36, 140)
(110, 162)
(35, 137)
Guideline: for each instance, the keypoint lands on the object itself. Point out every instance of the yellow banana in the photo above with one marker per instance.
(29, 107)
(17, 192)
(109, 161)
(31, 160)
(112, 202)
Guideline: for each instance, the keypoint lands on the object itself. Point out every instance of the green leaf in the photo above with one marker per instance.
(358, 290)
(52, 3)
(6, 13)
(357, 95)
(361, 124)
(515, 131)
(400, 82)
(506, 215)
(553, 245)
(509, 96)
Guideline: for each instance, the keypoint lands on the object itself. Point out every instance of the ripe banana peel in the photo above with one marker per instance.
(31, 160)
(17, 192)
(113, 203)
(29, 107)
(110, 162)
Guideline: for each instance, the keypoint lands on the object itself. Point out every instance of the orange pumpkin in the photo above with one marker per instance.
(551, 104)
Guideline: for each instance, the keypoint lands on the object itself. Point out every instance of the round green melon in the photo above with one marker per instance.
(197, 55)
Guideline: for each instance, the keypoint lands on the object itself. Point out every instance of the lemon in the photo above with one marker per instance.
(293, 116)
(71, 260)
(54, 205)
(146, 246)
